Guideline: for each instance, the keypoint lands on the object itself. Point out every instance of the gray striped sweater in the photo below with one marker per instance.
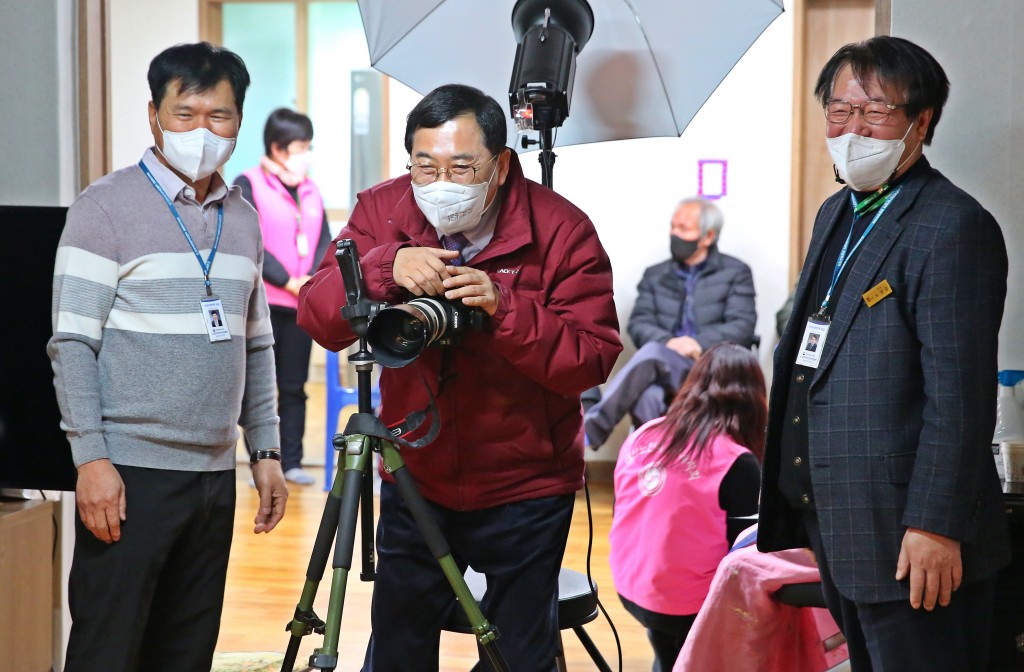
(137, 378)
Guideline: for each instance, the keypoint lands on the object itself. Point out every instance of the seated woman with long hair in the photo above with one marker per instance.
(679, 481)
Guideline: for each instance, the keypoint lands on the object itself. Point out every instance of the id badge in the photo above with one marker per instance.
(813, 342)
(215, 319)
(302, 244)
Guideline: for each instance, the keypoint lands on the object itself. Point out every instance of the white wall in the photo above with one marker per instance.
(139, 30)
(979, 140)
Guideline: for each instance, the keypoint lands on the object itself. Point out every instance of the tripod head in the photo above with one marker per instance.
(359, 309)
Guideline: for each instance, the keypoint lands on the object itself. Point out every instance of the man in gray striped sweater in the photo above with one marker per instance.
(151, 390)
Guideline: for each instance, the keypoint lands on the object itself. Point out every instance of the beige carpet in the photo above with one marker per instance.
(247, 661)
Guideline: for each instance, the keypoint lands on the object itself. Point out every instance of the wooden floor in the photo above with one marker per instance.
(266, 574)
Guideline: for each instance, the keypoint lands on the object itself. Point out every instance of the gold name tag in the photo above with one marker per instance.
(877, 293)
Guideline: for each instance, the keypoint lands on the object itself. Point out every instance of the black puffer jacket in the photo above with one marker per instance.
(723, 303)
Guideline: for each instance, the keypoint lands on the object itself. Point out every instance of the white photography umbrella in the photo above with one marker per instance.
(645, 71)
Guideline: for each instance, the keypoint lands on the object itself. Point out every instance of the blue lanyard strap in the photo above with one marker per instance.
(846, 253)
(205, 265)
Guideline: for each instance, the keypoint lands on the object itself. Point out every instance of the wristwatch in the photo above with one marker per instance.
(258, 455)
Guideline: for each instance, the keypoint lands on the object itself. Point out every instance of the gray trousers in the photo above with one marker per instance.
(652, 375)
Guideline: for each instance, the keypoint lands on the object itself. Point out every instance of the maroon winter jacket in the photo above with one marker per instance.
(510, 415)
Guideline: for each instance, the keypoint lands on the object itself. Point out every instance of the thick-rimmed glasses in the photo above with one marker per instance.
(874, 112)
(459, 173)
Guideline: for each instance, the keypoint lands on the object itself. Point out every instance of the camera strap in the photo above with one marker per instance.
(368, 424)
(447, 371)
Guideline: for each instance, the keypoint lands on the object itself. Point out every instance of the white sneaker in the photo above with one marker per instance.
(299, 477)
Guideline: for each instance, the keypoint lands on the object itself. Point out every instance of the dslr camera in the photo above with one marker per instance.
(398, 334)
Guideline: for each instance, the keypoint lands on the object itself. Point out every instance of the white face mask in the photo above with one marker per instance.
(299, 163)
(198, 153)
(452, 208)
(865, 163)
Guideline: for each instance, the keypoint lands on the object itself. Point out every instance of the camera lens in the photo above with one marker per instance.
(435, 314)
(398, 334)
(406, 336)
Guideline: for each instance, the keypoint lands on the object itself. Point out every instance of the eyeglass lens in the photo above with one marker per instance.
(873, 112)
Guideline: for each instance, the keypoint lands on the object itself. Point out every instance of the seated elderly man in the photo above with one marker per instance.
(684, 305)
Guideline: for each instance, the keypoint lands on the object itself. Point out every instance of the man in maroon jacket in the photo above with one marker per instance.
(501, 475)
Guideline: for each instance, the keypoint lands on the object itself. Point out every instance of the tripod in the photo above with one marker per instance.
(363, 436)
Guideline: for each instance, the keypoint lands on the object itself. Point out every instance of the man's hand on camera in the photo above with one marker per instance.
(473, 287)
(422, 270)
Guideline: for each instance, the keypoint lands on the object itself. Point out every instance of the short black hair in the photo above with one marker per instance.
(897, 63)
(454, 100)
(198, 67)
(284, 127)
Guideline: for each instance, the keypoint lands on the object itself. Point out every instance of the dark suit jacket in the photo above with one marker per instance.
(901, 409)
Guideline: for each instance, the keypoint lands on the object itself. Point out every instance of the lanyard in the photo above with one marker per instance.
(872, 201)
(846, 253)
(205, 265)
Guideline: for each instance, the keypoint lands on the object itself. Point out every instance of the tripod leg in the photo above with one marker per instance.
(338, 520)
(486, 633)
(366, 522)
(305, 620)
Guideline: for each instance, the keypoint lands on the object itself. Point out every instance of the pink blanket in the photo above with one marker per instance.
(742, 627)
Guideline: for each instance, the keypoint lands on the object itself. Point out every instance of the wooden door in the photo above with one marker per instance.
(820, 28)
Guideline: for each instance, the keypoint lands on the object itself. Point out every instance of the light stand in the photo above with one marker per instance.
(363, 436)
(549, 34)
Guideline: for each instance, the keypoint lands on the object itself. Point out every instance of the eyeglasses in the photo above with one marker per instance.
(459, 173)
(874, 112)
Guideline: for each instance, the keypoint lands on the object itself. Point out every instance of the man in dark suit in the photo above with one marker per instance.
(878, 448)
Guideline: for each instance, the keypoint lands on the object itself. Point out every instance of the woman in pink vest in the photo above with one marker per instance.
(681, 483)
(295, 236)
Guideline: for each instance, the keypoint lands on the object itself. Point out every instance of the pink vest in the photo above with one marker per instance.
(668, 531)
(281, 221)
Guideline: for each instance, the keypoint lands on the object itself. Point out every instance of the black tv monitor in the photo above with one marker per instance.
(34, 453)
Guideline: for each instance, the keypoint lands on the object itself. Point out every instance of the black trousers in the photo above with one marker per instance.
(292, 347)
(895, 637)
(152, 601)
(666, 633)
(517, 546)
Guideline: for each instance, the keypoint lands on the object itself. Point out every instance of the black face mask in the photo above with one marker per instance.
(682, 249)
